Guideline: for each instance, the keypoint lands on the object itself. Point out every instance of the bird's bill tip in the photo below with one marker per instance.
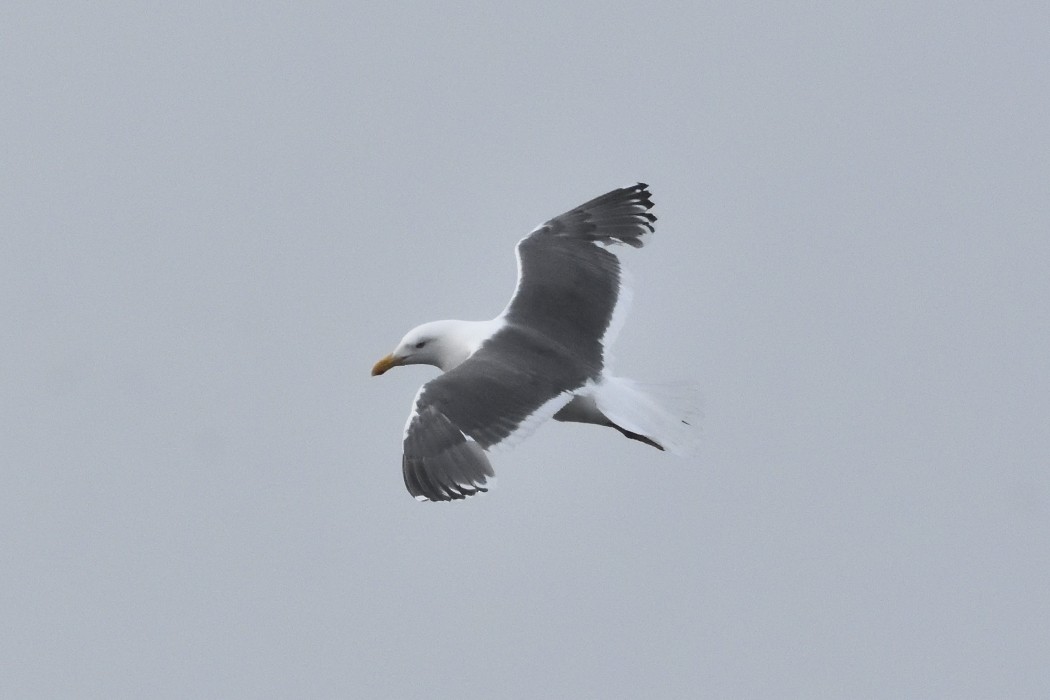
(384, 364)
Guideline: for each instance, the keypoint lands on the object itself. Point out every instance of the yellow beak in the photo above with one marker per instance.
(385, 364)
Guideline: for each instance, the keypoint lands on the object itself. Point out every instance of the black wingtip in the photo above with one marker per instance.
(439, 462)
(618, 216)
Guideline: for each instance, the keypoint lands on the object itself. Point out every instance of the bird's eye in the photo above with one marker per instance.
(420, 344)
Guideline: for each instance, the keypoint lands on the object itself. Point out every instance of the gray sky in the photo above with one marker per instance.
(215, 220)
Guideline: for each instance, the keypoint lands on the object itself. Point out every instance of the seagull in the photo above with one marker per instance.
(546, 355)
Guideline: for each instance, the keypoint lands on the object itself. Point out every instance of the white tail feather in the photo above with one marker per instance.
(667, 413)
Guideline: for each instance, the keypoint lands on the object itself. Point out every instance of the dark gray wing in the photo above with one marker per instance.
(568, 286)
(515, 381)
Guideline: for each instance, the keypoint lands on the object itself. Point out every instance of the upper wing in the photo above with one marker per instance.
(568, 282)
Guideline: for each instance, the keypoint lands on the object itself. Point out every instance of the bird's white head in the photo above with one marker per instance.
(443, 344)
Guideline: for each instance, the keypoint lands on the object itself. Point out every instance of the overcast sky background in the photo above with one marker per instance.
(214, 220)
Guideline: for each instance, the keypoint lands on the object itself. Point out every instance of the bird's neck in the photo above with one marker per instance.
(463, 340)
